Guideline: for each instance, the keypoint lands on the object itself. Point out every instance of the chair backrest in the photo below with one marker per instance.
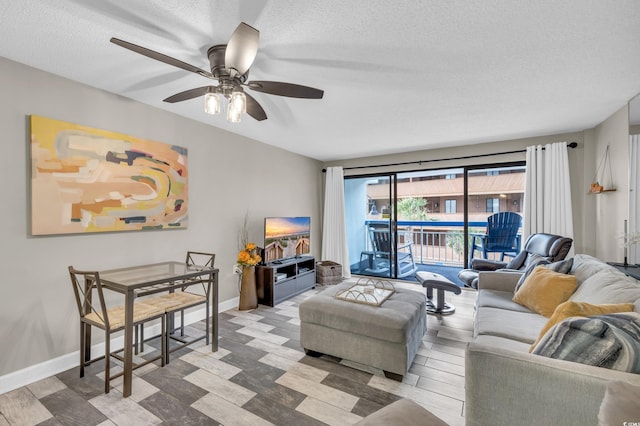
(199, 258)
(85, 284)
(502, 229)
(548, 246)
(380, 239)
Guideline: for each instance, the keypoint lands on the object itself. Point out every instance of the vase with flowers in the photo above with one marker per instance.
(248, 258)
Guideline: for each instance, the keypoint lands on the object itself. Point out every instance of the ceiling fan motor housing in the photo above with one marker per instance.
(218, 69)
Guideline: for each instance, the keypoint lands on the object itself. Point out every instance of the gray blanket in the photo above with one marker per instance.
(609, 341)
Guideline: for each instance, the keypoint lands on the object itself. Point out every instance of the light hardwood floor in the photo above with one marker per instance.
(260, 375)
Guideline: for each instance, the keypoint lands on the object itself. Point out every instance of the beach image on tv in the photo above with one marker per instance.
(286, 237)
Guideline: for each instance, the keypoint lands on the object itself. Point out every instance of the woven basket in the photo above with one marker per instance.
(328, 272)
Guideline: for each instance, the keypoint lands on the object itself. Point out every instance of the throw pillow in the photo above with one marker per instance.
(544, 290)
(562, 266)
(620, 404)
(608, 341)
(571, 308)
(537, 261)
(608, 286)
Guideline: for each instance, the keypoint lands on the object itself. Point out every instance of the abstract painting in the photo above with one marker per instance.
(90, 180)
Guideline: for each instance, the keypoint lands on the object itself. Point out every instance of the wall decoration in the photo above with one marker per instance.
(90, 180)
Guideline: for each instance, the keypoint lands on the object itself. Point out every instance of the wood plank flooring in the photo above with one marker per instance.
(260, 376)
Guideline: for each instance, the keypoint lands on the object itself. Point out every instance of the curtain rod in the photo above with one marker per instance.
(466, 157)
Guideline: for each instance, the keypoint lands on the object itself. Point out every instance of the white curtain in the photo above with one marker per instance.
(547, 194)
(634, 199)
(334, 233)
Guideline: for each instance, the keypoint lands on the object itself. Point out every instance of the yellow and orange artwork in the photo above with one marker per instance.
(90, 180)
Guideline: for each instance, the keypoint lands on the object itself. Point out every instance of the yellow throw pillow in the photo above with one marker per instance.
(571, 308)
(544, 290)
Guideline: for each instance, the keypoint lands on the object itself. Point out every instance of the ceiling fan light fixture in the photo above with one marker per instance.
(237, 106)
(212, 103)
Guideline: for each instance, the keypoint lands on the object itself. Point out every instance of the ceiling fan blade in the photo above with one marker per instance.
(160, 57)
(190, 94)
(286, 89)
(254, 109)
(242, 48)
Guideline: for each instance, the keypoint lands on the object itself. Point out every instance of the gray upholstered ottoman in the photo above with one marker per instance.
(386, 336)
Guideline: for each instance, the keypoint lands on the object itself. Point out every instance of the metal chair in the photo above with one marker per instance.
(380, 259)
(501, 236)
(179, 301)
(86, 285)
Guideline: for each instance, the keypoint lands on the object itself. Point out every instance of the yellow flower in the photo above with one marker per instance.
(249, 255)
(243, 257)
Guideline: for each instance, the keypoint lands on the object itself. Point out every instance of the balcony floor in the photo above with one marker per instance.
(450, 272)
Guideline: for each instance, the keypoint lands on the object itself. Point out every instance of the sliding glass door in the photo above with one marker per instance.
(399, 223)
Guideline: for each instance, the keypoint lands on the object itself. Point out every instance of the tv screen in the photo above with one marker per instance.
(286, 237)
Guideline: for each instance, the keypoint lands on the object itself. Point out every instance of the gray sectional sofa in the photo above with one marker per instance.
(507, 385)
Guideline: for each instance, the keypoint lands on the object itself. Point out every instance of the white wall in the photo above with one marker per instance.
(229, 175)
(612, 208)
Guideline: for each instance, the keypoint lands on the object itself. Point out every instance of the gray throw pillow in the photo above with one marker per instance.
(561, 266)
(533, 265)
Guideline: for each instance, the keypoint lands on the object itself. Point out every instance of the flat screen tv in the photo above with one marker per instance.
(286, 237)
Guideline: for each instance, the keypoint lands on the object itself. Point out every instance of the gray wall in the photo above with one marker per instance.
(229, 176)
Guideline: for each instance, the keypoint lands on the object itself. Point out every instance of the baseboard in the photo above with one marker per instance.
(48, 368)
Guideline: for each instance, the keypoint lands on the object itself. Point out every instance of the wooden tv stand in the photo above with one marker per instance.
(281, 280)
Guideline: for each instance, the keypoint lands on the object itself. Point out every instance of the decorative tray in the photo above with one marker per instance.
(367, 291)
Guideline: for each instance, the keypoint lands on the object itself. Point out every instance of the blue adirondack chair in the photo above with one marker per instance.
(501, 236)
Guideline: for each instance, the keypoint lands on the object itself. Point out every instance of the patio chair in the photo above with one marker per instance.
(501, 236)
(380, 259)
(549, 247)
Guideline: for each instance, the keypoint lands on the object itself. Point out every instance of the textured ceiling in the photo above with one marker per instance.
(398, 76)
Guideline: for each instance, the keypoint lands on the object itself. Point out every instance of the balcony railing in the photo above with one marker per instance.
(434, 242)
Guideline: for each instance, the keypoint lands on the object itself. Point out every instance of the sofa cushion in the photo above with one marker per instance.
(620, 404)
(502, 343)
(608, 286)
(608, 341)
(499, 299)
(544, 290)
(572, 308)
(585, 266)
(520, 326)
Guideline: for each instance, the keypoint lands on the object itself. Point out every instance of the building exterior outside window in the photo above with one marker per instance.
(450, 206)
(493, 205)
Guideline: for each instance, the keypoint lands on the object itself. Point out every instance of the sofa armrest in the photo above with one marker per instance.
(498, 280)
(518, 388)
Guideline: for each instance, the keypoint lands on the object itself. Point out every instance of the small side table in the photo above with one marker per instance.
(630, 270)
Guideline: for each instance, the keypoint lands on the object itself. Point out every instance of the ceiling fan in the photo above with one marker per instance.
(230, 64)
